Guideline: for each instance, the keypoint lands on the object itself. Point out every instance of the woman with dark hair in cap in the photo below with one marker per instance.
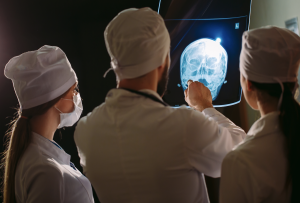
(37, 169)
(265, 167)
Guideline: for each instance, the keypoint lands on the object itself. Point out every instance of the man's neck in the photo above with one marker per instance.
(148, 81)
(136, 87)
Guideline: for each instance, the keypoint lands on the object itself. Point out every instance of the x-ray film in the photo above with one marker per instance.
(204, 60)
(205, 50)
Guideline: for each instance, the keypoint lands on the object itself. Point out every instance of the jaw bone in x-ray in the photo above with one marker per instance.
(205, 61)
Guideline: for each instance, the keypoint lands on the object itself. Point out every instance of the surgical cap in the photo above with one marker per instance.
(270, 55)
(137, 41)
(40, 76)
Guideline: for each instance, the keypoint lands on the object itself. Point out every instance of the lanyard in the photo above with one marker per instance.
(146, 95)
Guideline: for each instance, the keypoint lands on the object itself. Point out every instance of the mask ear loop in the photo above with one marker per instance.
(281, 96)
(58, 109)
(63, 99)
(67, 99)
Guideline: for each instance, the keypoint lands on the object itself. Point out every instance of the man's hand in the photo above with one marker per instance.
(198, 96)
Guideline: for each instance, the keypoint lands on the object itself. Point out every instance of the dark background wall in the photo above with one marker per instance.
(77, 27)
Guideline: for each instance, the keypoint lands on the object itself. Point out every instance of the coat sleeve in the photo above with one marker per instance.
(45, 184)
(209, 137)
(236, 182)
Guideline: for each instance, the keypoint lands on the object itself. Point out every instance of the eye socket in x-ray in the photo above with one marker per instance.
(205, 61)
(204, 50)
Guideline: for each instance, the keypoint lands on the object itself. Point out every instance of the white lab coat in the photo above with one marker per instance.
(134, 149)
(256, 171)
(44, 175)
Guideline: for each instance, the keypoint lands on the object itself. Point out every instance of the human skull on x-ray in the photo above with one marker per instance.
(205, 61)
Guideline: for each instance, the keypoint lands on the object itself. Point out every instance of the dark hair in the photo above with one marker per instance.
(289, 121)
(18, 139)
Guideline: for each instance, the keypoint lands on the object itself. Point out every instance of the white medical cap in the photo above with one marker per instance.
(270, 55)
(40, 76)
(137, 41)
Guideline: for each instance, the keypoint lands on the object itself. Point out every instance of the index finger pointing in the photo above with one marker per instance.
(189, 82)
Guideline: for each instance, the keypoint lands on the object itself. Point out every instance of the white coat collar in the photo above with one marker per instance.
(117, 96)
(48, 148)
(266, 124)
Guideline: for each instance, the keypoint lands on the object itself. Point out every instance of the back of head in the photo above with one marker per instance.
(270, 54)
(270, 59)
(137, 41)
(40, 78)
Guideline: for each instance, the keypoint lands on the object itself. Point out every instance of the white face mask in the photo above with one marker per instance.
(68, 119)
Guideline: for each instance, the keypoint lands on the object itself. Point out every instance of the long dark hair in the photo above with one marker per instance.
(289, 121)
(18, 139)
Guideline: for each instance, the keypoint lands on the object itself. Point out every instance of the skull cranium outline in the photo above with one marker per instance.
(204, 60)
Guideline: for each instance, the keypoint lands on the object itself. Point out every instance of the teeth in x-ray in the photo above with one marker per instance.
(204, 60)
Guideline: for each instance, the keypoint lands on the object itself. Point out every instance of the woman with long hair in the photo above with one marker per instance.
(265, 167)
(37, 169)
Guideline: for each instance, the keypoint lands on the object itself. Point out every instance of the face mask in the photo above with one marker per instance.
(68, 119)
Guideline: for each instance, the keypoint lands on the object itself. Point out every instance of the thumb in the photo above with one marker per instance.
(186, 93)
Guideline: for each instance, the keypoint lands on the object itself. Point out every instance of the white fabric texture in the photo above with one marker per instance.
(134, 149)
(40, 76)
(270, 55)
(137, 41)
(44, 175)
(256, 171)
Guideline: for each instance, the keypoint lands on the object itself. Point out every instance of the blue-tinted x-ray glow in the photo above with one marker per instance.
(204, 60)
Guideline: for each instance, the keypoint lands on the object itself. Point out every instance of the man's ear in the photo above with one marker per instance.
(250, 86)
(160, 71)
(161, 68)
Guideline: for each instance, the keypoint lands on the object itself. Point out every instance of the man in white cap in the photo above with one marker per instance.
(134, 147)
(265, 167)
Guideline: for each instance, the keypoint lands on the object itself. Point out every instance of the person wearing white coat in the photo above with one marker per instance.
(134, 147)
(37, 169)
(265, 167)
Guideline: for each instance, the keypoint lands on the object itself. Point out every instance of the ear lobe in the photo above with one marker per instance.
(57, 103)
(160, 68)
(250, 86)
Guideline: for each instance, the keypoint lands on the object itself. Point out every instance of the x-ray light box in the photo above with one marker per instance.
(205, 50)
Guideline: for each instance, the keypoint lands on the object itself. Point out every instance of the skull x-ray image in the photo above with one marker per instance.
(206, 41)
(205, 61)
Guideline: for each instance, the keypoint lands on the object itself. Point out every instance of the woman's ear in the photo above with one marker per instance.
(250, 86)
(58, 103)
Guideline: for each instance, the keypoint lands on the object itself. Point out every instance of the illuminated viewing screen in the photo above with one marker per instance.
(203, 49)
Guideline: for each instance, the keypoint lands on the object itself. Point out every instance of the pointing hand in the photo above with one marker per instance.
(198, 96)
